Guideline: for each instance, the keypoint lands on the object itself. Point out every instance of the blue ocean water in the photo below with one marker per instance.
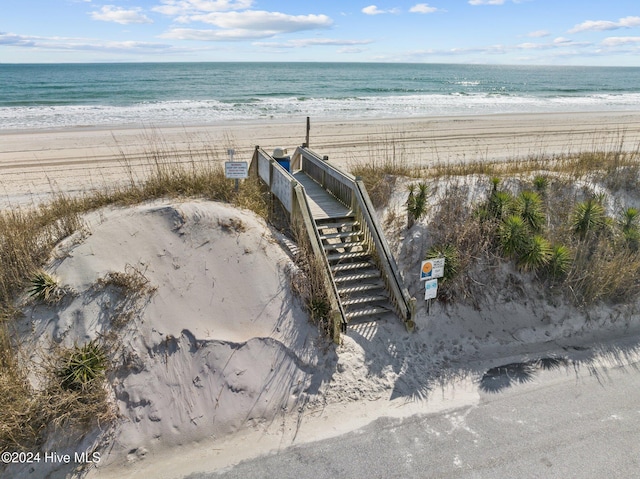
(40, 96)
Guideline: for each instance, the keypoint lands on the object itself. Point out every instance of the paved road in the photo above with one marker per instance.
(560, 424)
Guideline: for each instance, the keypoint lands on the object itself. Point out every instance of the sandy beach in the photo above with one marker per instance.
(222, 363)
(33, 163)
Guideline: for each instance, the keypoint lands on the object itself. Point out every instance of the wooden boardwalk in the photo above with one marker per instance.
(322, 203)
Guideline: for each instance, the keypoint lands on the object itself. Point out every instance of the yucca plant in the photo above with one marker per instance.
(501, 204)
(588, 217)
(82, 365)
(541, 184)
(629, 219)
(536, 254)
(513, 235)
(529, 207)
(416, 203)
(44, 287)
(559, 261)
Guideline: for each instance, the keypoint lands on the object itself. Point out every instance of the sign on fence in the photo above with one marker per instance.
(431, 269)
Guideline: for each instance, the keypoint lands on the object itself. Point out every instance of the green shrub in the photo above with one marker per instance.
(81, 366)
(559, 261)
(529, 207)
(541, 184)
(501, 204)
(588, 218)
(513, 236)
(535, 255)
(628, 219)
(416, 203)
(44, 287)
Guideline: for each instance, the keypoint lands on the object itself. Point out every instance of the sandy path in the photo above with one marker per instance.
(33, 164)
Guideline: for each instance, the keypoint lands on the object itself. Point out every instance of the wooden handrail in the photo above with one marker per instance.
(294, 199)
(303, 210)
(348, 190)
(360, 202)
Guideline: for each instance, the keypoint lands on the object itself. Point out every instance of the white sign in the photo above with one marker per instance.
(431, 269)
(237, 170)
(431, 289)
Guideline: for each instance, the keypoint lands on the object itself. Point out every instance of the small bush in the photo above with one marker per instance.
(536, 254)
(44, 287)
(529, 207)
(500, 205)
(81, 366)
(513, 236)
(416, 203)
(559, 261)
(541, 184)
(588, 218)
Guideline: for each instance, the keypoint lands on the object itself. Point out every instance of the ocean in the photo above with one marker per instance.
(51, 96)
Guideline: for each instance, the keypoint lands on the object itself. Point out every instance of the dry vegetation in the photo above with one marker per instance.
(72, 393)
(562, 235)
(570, 222)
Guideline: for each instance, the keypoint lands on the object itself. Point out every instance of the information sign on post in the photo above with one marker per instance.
(430, 289)
(432, 269)
(236, 170)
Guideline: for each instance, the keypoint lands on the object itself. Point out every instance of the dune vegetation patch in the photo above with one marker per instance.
(67, 389)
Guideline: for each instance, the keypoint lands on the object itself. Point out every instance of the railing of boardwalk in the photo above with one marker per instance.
(292, 196)
(352, 193)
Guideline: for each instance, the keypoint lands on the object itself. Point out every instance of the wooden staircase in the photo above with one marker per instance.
(358, 279)
(359, 273)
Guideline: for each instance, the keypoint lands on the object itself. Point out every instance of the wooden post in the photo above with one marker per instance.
(306, 143)
(253, 167)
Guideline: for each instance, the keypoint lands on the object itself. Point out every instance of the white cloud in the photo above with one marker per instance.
(262, 20)
(538, 34)
(603, 25)
(308, 42)
(83, 44)
(556, 43)
(215, 35)
(423, 8)
(374, 10)
(111, 13)
(246, 25)
(620, 41)
(188, 7)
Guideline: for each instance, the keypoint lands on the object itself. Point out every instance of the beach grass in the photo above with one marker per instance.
(552, 244)
(27, 239)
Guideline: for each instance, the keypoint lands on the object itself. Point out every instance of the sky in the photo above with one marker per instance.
(528, 32)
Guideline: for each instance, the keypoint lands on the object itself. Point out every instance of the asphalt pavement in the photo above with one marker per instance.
(559, 423)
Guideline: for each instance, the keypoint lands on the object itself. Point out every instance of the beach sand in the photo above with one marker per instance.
(222, 363)
(34, 163)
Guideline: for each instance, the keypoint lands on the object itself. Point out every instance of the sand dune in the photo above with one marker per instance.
(220, 363)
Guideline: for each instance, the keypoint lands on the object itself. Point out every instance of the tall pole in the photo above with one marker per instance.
(308, 129)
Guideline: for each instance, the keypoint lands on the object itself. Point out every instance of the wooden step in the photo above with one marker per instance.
(357, 276)
(374, 298)
(347, 256)
(361, 288)
(343, 234)
(333, 225)
(349, 245)
(351, 266)
(369, 311)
